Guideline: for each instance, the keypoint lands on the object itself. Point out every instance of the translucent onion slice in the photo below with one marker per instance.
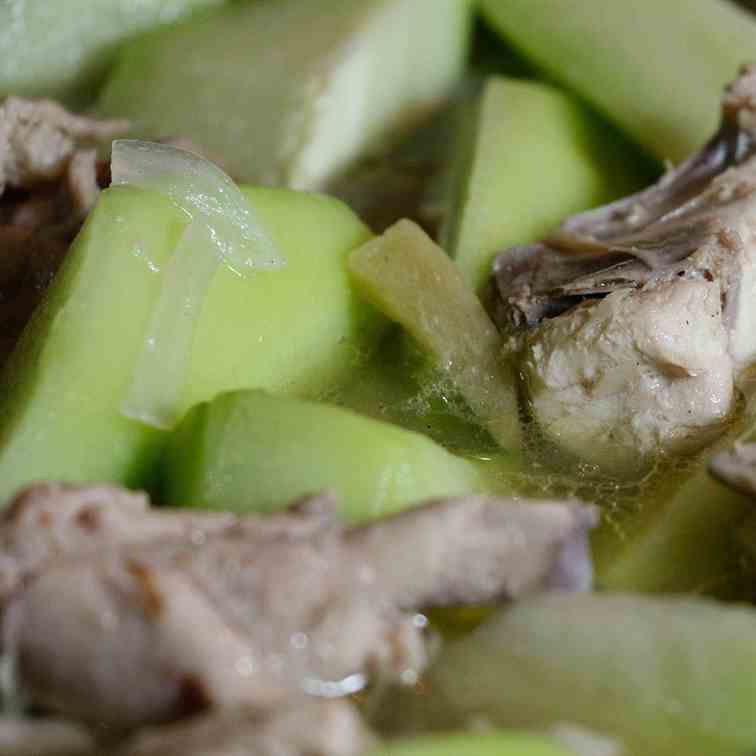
(222, 230)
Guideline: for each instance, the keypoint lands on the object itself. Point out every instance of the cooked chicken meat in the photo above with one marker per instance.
(635, 322)
(647, 369)
(44, 737)
(49, 180)
(116, 614)
(39, 138)
(313, 728)
(51, 521)
(48, 165)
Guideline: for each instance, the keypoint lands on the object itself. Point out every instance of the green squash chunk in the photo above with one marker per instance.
(295, 331)
(413, 282)
(290, 92)
(682, 533)
(251, 452)
(654, 67)
(682, 538)
(62, 49)
(527, 156)
(473, 744)
(665, 676)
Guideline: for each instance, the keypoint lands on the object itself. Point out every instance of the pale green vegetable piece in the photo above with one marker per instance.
(297, 331)
(656, 69)
(412, 281)
(528, 156)
(63, 48)
(681, 536)
(252, 452)
(665, 676)
(473, 744)
(290, 92)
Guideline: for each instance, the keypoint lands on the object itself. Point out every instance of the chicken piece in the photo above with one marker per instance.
(477, 551)
(49, 180)
(39, 138)
(43, 737)
(129, 627)
(635, 322)
(49, 521)
(313, 728)
(636, 371)
(81, 179)
(180, 630)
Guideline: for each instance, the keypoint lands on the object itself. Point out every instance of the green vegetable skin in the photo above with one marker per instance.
(249, 451)
(527, 156)
(469, 744)
(62, 49)
(656, 69)
(290, 92)
(667, 677)
(295, 331)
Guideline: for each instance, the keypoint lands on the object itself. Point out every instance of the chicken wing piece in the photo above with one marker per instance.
(635, 322)
(156, 615)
